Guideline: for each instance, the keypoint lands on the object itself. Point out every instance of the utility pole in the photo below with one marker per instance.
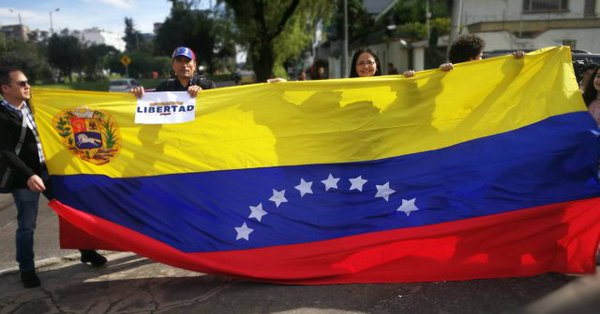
(345, 42)
(456, 21)
(427, 17)
(52, 26)
(18, 15)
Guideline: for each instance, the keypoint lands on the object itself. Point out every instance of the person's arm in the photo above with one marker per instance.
(9, 157)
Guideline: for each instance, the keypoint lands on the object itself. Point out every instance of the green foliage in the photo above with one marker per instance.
(26, 55)
(188, 27)
(274, 31)
(65, 52)
(299, 32)
(412, 31)
(360, 23)
(441, 25)
(133, 38)
(142, 64)
(95, 60)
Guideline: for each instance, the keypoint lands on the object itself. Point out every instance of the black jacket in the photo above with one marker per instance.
(27, 163)
(173, 85)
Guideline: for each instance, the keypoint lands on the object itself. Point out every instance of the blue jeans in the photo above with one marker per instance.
(27, 210)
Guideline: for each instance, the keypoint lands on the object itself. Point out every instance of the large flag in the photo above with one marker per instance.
(489, 170)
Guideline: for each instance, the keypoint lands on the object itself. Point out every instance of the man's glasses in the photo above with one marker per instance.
(22, 83)
(361, 63)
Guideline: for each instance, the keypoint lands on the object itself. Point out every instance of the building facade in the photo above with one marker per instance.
(18, 31)
(99, 36)
(534, 24)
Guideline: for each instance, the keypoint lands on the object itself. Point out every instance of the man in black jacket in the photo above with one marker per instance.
(29, 179)
(186, 79)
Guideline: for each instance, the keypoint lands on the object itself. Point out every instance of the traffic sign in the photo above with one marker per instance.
(125, 60)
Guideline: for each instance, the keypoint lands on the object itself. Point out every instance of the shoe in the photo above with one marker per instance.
(30, 279)
(92, 257)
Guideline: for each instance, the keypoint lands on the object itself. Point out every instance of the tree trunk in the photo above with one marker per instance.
(263, 62)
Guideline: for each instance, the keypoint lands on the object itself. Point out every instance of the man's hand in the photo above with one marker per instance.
(518, 54)
(138, 91)
(194, 90)
(408, 73)
(276, 80)
(446, 67)
(35, 183)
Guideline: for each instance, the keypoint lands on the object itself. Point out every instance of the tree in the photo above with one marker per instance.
(133, 38)
(26, 55)
(411, 18)
(360, 23)
(188, 27)
(65, 53)
(273, 29)
(94, 60)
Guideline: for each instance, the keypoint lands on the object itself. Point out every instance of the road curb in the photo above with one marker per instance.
(52, 261)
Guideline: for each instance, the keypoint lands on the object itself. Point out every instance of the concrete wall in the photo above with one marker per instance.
(509, 10)
(585, 39)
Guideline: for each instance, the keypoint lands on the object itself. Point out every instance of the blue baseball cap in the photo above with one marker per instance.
(184, 51)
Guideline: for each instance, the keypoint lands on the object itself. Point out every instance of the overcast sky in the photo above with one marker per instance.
(81, 14)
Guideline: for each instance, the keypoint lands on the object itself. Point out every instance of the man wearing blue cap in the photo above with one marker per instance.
(184, 67)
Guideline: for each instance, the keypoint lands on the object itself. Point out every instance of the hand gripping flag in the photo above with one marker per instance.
(489, 170)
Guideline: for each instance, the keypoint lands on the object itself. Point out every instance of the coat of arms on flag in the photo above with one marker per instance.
(91, 135)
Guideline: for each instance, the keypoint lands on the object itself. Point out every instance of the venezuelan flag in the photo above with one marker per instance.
(489, 170)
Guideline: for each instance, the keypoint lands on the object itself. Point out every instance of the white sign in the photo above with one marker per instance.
(165, 108)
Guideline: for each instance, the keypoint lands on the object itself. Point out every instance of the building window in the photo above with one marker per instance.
(532, 6)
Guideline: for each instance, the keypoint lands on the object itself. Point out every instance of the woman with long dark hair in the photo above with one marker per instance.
(591, 94)
(365, 63)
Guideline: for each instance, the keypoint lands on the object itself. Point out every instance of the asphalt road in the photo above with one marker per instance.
(132, 284)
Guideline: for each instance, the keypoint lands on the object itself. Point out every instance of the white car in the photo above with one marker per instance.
(122, 85)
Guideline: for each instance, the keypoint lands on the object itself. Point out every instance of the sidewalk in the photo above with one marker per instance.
(132, 284)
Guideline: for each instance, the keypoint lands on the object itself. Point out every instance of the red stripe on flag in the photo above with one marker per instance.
(554, 238)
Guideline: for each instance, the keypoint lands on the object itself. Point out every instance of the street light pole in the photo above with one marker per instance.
(18, 14)
(52, 26)
(456, 22)
(345, 42)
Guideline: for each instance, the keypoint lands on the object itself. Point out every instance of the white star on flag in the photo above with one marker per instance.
(357, 183)
(384, 191)
(330, 182)
(257, 212)
(278, 197)
(408, 206)
(304, 187)
(243, 232)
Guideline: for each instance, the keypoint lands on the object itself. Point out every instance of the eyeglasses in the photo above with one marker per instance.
(369, 62)
(22, 83)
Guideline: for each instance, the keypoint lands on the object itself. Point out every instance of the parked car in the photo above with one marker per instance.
(581, 59)
(244, 77)
(122, 85)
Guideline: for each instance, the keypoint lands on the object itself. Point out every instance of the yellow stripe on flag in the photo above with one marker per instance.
(314, 122)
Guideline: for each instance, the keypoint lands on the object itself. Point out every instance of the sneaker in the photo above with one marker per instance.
(92, 257)
(30, 279)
